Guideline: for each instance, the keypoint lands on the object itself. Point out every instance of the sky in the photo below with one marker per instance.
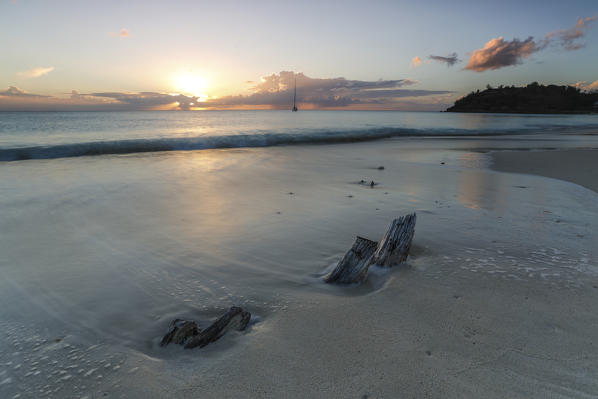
(185, 55)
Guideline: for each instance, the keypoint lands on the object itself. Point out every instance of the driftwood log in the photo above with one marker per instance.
(392, 250)
(180, 331)
(188, 334)
(394, 246)
(353, 268)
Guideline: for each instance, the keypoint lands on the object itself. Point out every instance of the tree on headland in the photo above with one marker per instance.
(533, 98)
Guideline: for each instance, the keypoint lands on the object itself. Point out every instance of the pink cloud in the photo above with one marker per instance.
(584, 86)
(499, 53)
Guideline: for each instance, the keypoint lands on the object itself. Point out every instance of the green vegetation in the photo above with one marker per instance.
(531, 99)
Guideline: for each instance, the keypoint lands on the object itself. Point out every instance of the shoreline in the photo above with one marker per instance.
(578, 166)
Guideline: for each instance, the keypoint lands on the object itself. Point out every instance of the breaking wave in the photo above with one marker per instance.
(231, 141)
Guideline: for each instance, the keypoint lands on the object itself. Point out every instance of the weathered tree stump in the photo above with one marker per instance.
(394, 246)
(392, 250)
(353, 268)
(187, 333)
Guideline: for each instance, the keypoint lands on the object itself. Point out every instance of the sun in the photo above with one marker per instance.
(190, 84)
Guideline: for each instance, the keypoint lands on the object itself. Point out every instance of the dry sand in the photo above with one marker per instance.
(576, 166)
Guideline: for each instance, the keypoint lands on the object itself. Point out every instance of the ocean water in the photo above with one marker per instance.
(46, 135)
(100, 252)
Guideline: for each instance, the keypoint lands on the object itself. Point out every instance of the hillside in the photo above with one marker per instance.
(531, 99)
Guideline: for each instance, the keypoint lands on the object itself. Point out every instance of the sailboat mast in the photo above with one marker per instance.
(295, 95)
(294, 109)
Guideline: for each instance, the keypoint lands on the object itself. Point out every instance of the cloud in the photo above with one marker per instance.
(75, 95)
(498, 53)
(14, 98)
(274, 91)
(146, 100)
(285, 80)
(416, 61)
(35, 72)
(584, 86)
(13, 91)
(84, 99)
(568, 38)
(449, 60)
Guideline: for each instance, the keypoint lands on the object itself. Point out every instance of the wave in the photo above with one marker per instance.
(232, 141)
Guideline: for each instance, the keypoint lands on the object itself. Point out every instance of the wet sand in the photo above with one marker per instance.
(576, 166)
(497, 299)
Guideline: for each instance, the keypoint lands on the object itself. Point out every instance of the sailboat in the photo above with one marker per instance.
(295, 98)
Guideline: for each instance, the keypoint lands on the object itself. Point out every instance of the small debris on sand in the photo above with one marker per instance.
(380, 167)
(370, 183)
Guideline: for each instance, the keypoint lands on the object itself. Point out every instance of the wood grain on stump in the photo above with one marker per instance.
(394, 246)
(392, 250)
(353, 268)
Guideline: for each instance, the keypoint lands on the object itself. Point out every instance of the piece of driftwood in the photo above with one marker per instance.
(235, 319)
(187, 333)
(392, 250)
(394, 246)
(353, 268)
(180, 331)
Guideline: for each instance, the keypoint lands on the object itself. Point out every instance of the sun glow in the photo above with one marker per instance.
(191, 84)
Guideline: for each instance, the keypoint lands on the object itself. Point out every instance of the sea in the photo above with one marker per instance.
(48, 135)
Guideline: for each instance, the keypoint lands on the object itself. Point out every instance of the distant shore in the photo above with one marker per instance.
(576, 166)
(531, 99)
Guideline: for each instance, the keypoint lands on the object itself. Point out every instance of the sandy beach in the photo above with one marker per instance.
(576, 166)
(479, 309)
